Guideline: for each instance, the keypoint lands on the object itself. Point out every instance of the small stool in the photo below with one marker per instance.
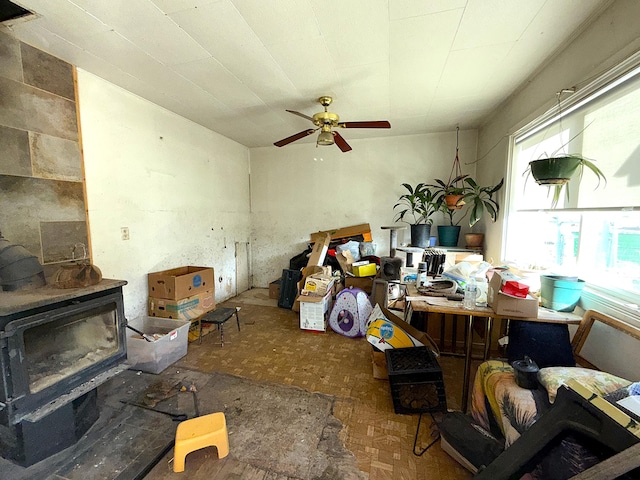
(219, 316)
(199, 432)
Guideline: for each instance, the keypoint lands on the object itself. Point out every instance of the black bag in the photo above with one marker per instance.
(289, 288)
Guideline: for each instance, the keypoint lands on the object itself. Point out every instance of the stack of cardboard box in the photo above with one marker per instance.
(315, 288)
(184, 293)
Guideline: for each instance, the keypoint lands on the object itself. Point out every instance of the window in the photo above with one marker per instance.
(595, 231)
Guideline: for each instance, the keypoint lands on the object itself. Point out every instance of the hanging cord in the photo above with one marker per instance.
(570, 90)
(456, 171)
(435, 435)
(559, 117)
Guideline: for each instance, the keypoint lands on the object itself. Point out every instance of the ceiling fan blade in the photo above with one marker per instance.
(293, 138)
(377, 124)
(341, 142)
(300, 115)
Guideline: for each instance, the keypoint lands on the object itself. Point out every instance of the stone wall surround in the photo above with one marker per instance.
(42, 204)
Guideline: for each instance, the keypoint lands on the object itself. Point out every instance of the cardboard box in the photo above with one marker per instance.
(274, 289)
(345, 260)
(379, 361)
(189, 308)
(364, 283)
(194, 329)
(408, 275)
(154, 357)
(319, 251)
(508, 305)
(452, 258)
(363, 229)
(313, 312)
(181, 282)
(367, 270)
(317, 284)
(306, 271)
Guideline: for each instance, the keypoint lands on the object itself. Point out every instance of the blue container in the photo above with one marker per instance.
(560, 293)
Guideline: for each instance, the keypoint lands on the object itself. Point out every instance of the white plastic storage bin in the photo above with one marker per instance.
(154, 357)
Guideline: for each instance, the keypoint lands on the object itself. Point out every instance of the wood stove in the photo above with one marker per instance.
(56, 347)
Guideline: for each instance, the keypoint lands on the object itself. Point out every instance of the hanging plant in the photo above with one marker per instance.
(450, 195)
(556, 172)
(482, 201)
(557, 169)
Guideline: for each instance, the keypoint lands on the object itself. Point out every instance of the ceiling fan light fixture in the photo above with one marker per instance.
(325, 138)
(325, 121)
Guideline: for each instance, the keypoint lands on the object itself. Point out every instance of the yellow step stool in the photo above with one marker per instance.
(199, 432)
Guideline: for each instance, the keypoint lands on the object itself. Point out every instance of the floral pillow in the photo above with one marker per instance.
(600, 383)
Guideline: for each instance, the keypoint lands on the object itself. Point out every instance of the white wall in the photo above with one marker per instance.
(182, 190)
(295, 193)
(612, 37)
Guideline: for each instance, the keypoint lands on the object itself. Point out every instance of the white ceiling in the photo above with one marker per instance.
(234, 66)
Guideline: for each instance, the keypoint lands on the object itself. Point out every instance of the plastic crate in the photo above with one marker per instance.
(416, 382)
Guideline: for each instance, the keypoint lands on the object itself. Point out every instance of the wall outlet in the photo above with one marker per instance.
(124, 231)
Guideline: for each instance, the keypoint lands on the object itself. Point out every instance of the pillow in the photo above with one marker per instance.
(547, 344)
(598, 382)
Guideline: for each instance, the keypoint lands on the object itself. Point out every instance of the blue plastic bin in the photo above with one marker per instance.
(560, 293)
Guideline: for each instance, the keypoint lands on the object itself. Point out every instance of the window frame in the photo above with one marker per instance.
(622, 305)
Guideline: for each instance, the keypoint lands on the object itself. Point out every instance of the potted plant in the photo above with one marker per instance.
(556, 171)
(449, 199)
(478, 201)
(417, 206)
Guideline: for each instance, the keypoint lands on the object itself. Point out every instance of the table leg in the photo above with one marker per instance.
(467, 365)
(454, 333)
(487, 338)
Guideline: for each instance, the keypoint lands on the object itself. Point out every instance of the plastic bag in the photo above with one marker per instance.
(367, 249)
(460, 272)
(353, 247)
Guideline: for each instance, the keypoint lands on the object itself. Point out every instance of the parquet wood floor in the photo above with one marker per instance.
(271, 347)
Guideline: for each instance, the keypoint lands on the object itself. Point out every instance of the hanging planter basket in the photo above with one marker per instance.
(454, 202)
(554, 171)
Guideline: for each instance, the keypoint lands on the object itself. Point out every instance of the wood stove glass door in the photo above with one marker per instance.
(58, 349)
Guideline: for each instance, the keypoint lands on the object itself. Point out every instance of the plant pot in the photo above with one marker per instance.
(474, 240)
(454, 202)
(420, 235)
(554, 171)
(560, 293)
(448, 235)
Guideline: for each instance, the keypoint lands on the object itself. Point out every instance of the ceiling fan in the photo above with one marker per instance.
(325, 121)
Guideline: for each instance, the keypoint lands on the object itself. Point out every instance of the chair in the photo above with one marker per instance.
(219, 316)
(200, 432)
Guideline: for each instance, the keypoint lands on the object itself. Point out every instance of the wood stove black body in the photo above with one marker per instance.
(56, 347)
